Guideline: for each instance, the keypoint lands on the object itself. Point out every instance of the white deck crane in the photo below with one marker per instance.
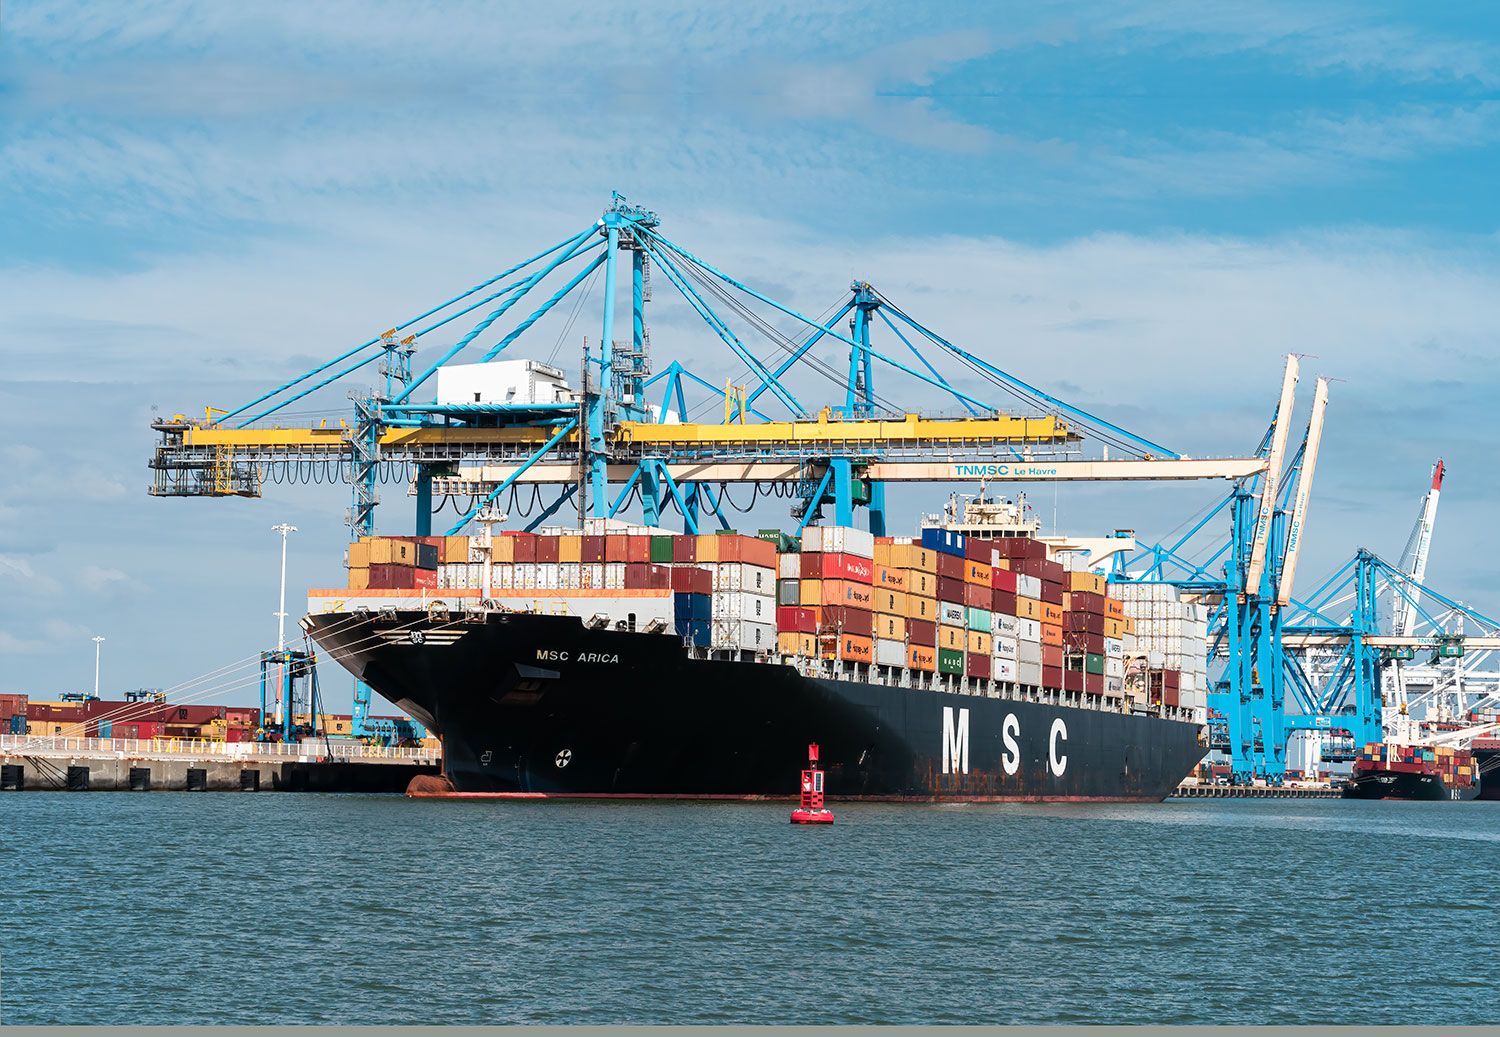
(1270, 482)
(1405, 618)
(1304, 491)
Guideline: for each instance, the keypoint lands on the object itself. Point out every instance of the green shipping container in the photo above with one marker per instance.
(783, 542)
(661, 549)
(950, 660)
(978, 619)
(1093, 663)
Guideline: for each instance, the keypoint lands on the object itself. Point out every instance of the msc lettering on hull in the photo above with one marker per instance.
(558, 655)
(955, 753)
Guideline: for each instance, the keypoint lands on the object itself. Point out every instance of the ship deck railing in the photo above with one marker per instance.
(199, 748)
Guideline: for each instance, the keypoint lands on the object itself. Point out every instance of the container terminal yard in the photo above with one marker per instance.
(553, 636)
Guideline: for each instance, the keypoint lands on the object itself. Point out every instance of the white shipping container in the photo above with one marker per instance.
(1114, 668)
(1114, 648)
(614, 575)
(890, 653)
(1029, 630)
(739, 576)
(839, 540)
(1114, 686)
(950, 614)
(1028, 586)
(1029, 673)
(1002, 669)
(1005, 646)
(730, 632)
(1004, 624)
(740, 605)
(1029, 652)
(591, 576)
(789, 566)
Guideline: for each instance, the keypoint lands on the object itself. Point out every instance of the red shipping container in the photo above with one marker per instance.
(1052, 655)
(616, 547)
(849, 620)
(547, 549)
(1086, 601)
(425, 579)
(1080, 641)
(1020, 547)
(950, 588)
(1052, 676)
(638, 549)
(978, 596)
(385, 576)
(1093, 683)
(1084, 622)
(237, 734)
(525, 549)
(1003, 580)
(977, 664)
(791, 619)
(1073, 680)
(840, 567)
(1052, 593)
(689, 579)
(635, 576)
(1171, 680)
(979, 550)
(950, 567)
(1003, 602)
(684, 549)
(1169, 696)
(921, 632)
(591, 549)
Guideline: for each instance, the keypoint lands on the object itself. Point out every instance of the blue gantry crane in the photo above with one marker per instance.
(602, 447)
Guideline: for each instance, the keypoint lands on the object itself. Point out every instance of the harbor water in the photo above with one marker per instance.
(206, 908)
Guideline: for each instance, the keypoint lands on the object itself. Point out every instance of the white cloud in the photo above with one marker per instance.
(97, 577)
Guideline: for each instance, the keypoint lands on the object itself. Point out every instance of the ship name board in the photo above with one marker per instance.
(955, 752)
(562, 655)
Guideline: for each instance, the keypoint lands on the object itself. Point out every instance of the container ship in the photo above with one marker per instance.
(1389, 770)
(963, 663)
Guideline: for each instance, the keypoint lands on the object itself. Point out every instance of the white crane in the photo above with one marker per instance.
(1270, 484)
(1298, 520)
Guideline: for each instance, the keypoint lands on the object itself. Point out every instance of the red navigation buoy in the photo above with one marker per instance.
(812, 811)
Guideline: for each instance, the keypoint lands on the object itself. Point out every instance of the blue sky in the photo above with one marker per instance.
(1140, 206)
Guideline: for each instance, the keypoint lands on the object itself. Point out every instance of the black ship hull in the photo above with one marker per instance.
(1384, 784)
(534, 705)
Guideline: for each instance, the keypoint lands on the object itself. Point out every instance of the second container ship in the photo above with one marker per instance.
(962, 663)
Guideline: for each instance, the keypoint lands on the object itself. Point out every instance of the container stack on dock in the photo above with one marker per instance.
(969, 612)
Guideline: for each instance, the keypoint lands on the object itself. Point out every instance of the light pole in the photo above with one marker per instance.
(97, 642)
(283, 529)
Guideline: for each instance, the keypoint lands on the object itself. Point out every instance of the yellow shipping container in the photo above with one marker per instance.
(504, 550)
(570, 548)
(890, 602)
(890, 628)
(920, 606)
(890, 577)
(359, 579)
(359, 554)
(1129, 625)
(386, 551)
(952, 637)
(907, 556)
(1052, 613)
(455, 549)
(810, 592)
(708, 548)
(1028, 608)
(1114, 628)
(980, 642)
(793, 643)
(922, 583)
(1090, 582)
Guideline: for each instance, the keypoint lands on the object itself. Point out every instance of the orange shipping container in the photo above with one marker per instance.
(1052, 634)
(890, 628)
(797, 644)
(569, 548)
(638, 549)
(1090, 582)
(976, 572)
(1028, 608)
(920, 657)
(920, 607)
(503, 550)
(359, 555)
(952, 637)
(456, 549)
(847, 592)
(1114, 609)
(1052, 613)
(388, 551)
(708, 548)
(359, 579)
(979, 643)
(922, 583)
(855, 649)
(890, 579)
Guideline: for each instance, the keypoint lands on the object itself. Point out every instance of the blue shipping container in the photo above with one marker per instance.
(944, 540)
